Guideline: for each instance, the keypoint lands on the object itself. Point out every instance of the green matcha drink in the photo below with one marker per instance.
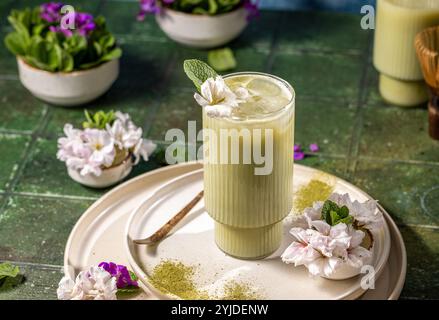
(249, 199)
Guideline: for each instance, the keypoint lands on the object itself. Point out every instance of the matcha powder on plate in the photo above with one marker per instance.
(173, 277)
(177, 279)
(314, 190)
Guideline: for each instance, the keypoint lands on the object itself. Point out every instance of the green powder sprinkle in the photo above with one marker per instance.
(239, 291)
(173, 277)
(176, 278)
(315, 190)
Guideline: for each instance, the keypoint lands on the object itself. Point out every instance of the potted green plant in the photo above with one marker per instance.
(200, 23)
(63, 60)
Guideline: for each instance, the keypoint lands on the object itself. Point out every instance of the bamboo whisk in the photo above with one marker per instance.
(427, 48)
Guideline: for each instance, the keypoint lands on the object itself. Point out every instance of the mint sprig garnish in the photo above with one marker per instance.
(198, 71)
(333, 214)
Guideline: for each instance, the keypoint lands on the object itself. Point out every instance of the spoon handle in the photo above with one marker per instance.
(168, 226)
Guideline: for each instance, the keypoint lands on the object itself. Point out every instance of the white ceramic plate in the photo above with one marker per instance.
(99, 233)
(193, 243)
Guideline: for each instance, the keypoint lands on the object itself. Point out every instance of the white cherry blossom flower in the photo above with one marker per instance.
(124, 132)
(102, 146)
(323, 248)
(92, 150)
(144, 148)
(92, 284)
(366, 214)
(217, 99)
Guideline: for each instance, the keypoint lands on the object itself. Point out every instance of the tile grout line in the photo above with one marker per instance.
(11, 184)
(274, 44)
(419, 226)
(358, 123)
(42, 266)
(50, 196)
(164, 81)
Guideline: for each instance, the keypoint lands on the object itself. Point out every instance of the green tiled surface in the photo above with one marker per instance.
(409, 192)
(321, 75)
(35, 229)
(12, 149)
(19, 110)
(321, 31)
(326, 57)
(39, 281)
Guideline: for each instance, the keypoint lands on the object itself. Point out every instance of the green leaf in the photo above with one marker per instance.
(97, 48)
(333, 218)
(328, 206)
(67, 62)
(113, 54)
(213, 7)
(198, 71)
(333, 214)
(38, 29)
(16, 43)
(199, 10)
(98, 120)
(8, 270)
(221, 59)
(343, 212)
(347, 220)
(107, 42)
(133, 276)
(55, 61)
(18, 26)
(130, 289)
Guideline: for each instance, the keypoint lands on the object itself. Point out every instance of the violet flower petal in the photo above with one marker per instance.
(313, 147)
(299, 155)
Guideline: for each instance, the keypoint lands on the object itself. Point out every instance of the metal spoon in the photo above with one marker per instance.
(168, 226)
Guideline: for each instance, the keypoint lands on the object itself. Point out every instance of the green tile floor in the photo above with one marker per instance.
(326, 56)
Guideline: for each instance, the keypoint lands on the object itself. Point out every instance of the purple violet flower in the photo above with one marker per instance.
(299, 155)
(147, 6)
(313, 147)
(252, 9)
(84, 23)
(121, 273)
(50, 11)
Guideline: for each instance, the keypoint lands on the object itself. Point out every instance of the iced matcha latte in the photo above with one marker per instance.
(248, 166)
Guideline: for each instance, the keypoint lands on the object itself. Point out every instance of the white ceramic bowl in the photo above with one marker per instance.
(109, 176)
(68, 88)
(202, 31)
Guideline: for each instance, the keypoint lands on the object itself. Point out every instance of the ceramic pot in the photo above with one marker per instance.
(68, 88)
(108, 177)
(202, 31)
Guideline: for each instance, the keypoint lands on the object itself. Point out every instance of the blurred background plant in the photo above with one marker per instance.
(40, 40)
(206, 7)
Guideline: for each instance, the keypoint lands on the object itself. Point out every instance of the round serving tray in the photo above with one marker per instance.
(99, 234)
(193, 244)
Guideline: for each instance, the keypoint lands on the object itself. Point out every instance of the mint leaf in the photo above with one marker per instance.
(8, 270)
(221, 59)
(343, 212)
(334, 218)
(328, 206)
(332, 214)
(347, 220)
(198, 71)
